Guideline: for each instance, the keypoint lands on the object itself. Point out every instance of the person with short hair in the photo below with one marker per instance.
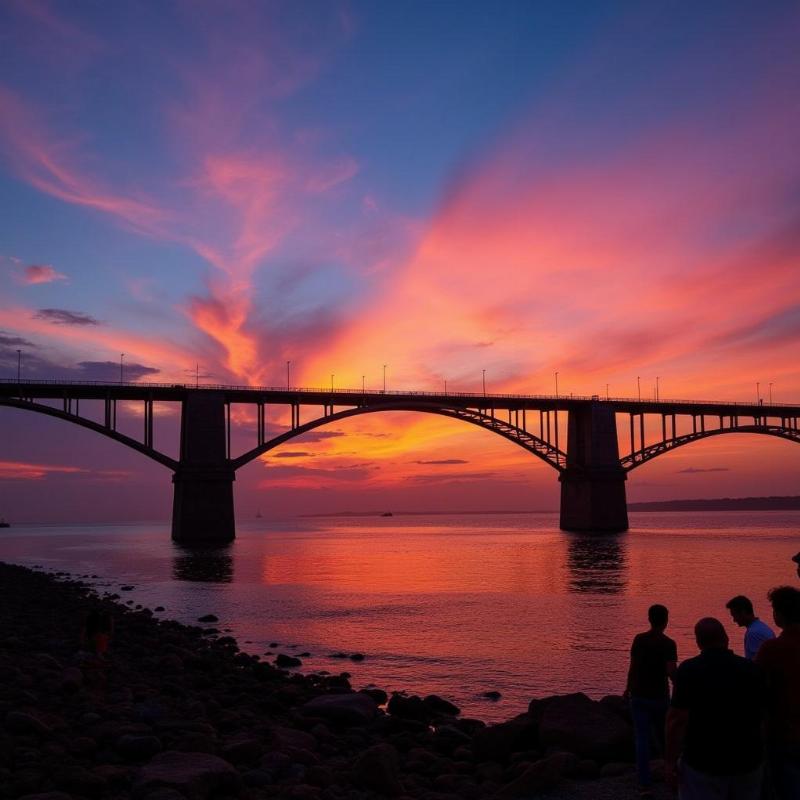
(654, 658)
(796, 559)
(715, 745)
(780, 660)
(756, 632)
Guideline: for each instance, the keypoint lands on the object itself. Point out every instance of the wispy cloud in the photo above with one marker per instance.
(697, 470)
(25, 471)
(61, 316)
(7, 340)
(443, 461)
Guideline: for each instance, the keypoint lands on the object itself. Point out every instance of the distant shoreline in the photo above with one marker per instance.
(777, 503)
(789, 503)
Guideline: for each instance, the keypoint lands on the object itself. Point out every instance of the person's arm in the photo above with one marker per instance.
(631, 666)
(677, 721)
(672, 663)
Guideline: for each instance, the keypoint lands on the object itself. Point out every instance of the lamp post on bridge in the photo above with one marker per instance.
(484, 382)
(19, 365)
(363, 384)
(556, 386)
(607, 393)
(331, 381)
(288, 382)
(758, 392)
(445, 385)
(384, 378)
(639, 387)
(121, 356)
(770, 393)
(657, 394)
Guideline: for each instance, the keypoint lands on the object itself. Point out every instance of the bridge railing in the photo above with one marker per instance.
(391, 392)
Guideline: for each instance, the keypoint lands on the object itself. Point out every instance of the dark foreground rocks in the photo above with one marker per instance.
(175, 714)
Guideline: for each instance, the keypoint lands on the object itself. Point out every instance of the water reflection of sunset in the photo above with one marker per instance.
(407, 559)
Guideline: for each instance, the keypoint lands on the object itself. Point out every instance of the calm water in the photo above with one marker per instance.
(456, 605)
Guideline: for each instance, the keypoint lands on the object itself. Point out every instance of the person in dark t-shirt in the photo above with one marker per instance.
(780, 662)
(715, 721)
(654, 657)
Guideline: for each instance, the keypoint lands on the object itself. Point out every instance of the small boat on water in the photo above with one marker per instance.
(258, 514)
(4, 524)
(387, 514)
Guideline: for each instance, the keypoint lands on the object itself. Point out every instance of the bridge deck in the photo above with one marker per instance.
(166, 392)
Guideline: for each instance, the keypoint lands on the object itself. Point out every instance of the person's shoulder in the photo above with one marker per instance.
(761, 628)
(689, 666)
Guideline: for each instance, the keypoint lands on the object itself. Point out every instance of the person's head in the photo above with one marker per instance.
(785, 601)
(709, 633)
(741, 610)
(796, 559)
(658, 616)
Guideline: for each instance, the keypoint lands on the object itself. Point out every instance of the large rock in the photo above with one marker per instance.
(196, 775)
(377, 769)
(412, 707)
(354, 708)
(498, 742)
(71, 679)
(582, 726)
(284, 738)
(378, 695)
(439, 705)
(243, 751)
(539, 777)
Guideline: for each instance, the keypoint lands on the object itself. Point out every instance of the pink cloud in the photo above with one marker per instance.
(41, 273)
(21, 471)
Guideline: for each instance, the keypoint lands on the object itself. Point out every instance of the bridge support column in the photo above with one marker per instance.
(202, 509)
(593, 484)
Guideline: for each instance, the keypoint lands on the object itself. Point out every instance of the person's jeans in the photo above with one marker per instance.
(649, 717)
(696, 785)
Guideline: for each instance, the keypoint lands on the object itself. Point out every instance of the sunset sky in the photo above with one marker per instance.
(607, 190)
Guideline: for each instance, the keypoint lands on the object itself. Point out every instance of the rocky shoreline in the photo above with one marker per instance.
(178, 714)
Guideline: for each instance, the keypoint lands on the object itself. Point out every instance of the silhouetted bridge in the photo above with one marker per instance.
(591, 470)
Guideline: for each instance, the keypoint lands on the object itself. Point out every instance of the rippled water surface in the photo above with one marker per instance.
(456, 605)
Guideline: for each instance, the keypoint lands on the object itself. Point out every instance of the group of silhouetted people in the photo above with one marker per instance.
(731, 728)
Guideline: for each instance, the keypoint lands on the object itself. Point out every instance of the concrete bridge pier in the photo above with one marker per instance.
(593, 484)
(202, 509)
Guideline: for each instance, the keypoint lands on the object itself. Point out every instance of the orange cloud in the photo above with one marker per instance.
(24, 471)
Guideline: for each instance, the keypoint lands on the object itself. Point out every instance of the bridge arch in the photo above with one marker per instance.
(630, 462)
(533, 444)
(58, 413)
